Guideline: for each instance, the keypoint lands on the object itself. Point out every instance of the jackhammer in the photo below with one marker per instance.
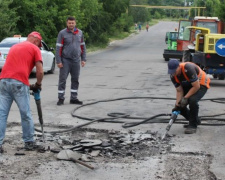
(172, 119)
(37, 98)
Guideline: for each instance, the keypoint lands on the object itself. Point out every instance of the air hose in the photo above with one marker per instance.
(153, 119)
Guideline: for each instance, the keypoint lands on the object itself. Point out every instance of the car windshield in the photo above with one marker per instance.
(9, 42)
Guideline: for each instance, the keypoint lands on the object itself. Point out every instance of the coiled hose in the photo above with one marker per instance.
(152, 119)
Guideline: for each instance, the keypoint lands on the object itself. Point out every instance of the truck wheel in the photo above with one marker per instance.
(215, 76)
(221, 76)
(186, 56)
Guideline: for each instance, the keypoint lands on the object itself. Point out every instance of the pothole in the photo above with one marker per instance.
(96, 144)
(111, 145)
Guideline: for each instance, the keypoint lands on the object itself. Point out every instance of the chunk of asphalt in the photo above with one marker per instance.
(105, 144)
(55, 150)
(146, 136)
(19, 153)
(117, 136)
(96, 148)
(68, 154)
(78, 149)
(71, 146)
(95, 153)
(86, 158)
(90, 142)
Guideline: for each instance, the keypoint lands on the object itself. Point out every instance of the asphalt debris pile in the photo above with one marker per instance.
(93, 143)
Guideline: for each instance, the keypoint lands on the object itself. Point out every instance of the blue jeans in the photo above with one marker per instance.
(13, 90)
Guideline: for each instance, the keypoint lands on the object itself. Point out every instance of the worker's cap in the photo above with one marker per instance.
(36, 35)
(172, 66)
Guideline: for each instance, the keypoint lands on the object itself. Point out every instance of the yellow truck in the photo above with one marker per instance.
(205, 54)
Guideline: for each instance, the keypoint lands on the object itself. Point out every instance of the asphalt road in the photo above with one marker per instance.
(134, 67)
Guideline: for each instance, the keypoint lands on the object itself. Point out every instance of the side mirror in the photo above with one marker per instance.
(51, 49)
(166, 40)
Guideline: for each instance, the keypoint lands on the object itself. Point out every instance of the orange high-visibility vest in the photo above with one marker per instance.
(203, 79)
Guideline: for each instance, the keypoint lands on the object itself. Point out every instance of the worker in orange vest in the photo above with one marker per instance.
(191, 84)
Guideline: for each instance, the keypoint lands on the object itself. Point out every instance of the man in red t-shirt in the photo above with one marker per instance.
(14, 85)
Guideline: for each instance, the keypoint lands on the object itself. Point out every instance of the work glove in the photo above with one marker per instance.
(176, 108)
(35, 87)
(183, 102)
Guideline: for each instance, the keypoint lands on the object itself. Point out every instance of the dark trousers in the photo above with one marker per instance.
(72, 68)
(191, 114)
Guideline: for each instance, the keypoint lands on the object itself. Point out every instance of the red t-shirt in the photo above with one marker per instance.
(20, 61)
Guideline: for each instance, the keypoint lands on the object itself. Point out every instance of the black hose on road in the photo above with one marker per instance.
(152, 119)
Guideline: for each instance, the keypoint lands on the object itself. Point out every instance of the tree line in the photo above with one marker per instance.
(213, 8)
(99, 19)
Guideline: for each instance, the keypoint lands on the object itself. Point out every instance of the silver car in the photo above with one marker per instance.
(47, 56)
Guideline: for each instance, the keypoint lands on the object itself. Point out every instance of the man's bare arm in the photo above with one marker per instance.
(39, 72)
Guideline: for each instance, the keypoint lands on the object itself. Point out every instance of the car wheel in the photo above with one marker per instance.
(52, 68)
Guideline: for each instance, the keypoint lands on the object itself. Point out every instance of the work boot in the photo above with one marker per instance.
(76, 101)
(31, 146)
(190, 130)
(60, 102)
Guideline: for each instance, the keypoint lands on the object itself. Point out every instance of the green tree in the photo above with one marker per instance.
(221, 11)
(98, 28)
(110, 19)
(97, 18)
(157, 15)
(31, 18)
(90, 9)
(211, 7)
(8, 19)
(116, 8)
(139, 14)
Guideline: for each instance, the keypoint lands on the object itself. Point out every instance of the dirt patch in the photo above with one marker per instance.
(185, 166)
